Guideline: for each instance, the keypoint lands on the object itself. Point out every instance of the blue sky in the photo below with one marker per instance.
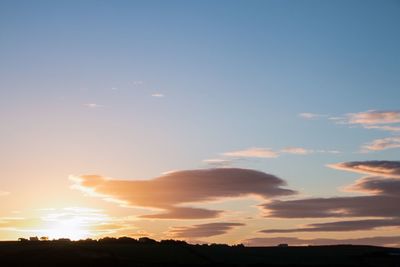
(132, 89)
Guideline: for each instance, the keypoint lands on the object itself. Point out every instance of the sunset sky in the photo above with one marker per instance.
(255, 122)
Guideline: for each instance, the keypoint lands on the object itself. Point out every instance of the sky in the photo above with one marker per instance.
(255, 122)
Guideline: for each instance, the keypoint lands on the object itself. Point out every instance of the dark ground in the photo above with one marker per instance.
(54, 253)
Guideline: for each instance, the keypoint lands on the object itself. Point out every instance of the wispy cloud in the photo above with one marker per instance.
(254, 152)
(372, 119)
(260, 152)
(382, 144)
(310, 116)
(218, 162)
(93, 105)
(138, 83)
(203, 230)
(159, 95)
(296, 150)
(4, 193)
(170, 191)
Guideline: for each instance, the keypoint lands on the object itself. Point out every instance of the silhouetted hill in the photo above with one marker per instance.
(148, 252)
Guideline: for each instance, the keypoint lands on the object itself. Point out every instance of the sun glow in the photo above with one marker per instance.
(73, 223)
(72, 229)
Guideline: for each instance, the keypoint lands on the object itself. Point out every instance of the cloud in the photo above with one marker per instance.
(137, 83)
(383, 196)
(383, 127)
(384, 192)
(93, 105)
(185, 213)
(382, 144)
(371, 117)
(4, 193)
(354, 225)
(218, 162)
(310, 116)
(296, 150)
(376, 186)
(358, 206)
(273, 241)
(15, 223)
(172, 190)
(203, 230)
(374, 167)
(254, 152)
(159, 95)
(259, 152)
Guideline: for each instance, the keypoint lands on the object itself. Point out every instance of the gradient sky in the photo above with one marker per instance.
(303, 92)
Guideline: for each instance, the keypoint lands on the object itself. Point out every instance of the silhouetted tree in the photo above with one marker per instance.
(173, 242)
(147, 240)
(126, 239)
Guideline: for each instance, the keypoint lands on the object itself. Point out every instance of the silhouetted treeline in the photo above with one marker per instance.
(144, 251)
(122, 240)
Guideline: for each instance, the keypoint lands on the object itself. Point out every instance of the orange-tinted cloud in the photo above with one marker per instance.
(374, 117)
(203, 230)
(170, 191)
(383, 144)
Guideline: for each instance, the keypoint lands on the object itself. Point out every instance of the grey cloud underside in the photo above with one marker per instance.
(381, 201)
(203, 230)
(355, 225)
(362, 206)
(170, 191)
(273, 241)
(378, 186)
